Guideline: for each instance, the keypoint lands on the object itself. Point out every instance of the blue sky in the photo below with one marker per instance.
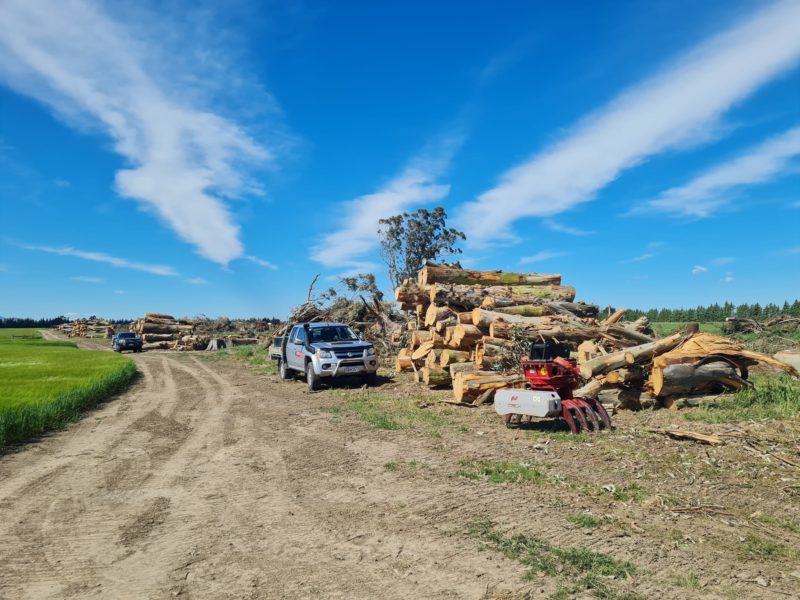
(213, 157)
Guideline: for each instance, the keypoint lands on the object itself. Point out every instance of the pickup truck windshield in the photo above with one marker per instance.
(333, 333)
(126, 336)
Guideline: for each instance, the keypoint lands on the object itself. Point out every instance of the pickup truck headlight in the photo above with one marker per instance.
(324, 353)
(369, 351)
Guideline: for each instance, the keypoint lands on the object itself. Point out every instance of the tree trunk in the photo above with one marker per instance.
(548, 328)
(467, 297)
(422, 351)
(647, 351)
(614, 317)
(696, 377)
(617, 360)
(435, 314)
(441, 326)
(448, 357)
(435, 377)
(432, 358)
(403, 363)
(443, 274)
(466, 368)
(465, 336)
(410, 292)
(468, 386)
(526, 310)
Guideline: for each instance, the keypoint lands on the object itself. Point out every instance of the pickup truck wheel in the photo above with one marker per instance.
(284, 371)
(311, 377)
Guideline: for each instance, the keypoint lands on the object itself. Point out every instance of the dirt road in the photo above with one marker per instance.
(209, 480)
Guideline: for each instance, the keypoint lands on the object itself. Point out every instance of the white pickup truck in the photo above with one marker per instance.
(323, 350)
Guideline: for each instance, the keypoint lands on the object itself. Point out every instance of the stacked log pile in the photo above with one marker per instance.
(467, 323)
(88, 328)
(162, 332)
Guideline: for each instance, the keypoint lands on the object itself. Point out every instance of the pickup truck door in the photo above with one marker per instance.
(294, 347)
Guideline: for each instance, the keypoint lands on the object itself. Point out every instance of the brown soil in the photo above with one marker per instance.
(209, 480)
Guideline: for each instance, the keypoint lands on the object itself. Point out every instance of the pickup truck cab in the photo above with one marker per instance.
(126, 341)
(323, 350)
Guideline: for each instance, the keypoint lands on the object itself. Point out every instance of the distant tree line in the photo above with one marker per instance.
(15, 322)
(716, 312)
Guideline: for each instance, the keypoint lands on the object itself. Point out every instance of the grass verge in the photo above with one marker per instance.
(47, 384)
(586, 570)
(502, 472)
(255, 356)
(771, 398)
(390, 413)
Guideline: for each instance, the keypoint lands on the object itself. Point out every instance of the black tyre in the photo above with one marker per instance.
(284, 371)
(311, 378)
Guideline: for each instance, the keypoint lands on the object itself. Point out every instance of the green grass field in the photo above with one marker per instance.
(46, 384)
(667, 328)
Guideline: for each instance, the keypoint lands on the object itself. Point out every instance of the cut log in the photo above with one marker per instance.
(707, 374)
(442, 325)
(436, 313)
(464, 317)
(467, 297)
(443, 274)
(448, 335)
(448, 357)
(619, 376)
(466, 368)
(158, 337)
(587, 351)
(435, 377)
(592, 388)
(617, 360)
(411, 293)
(465, 336)
(467, 387)
(547, 328)
(403, 363)
(525, 310)
(432, 359)
(645, 352)
(422, 351)
(419, 336)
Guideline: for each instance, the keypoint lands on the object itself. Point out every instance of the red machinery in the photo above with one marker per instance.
(551, 378)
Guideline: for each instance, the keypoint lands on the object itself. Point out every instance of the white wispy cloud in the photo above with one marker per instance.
(674, 109)
(728, 278)
(697, 269)
(559, 227)
(102, 257)
(540, 257)
(416, 185)
(261, 262)
(85, 279)
(722, 260)
(710, 190)
(183, 159)
(640, 258)
(196, 281)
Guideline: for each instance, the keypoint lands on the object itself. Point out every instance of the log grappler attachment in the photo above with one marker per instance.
(551, 377)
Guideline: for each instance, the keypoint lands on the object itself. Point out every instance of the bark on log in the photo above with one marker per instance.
(468, 297)
(441, 326)
(690, 378)
(159, 337)
(464, 317)
(466, 368)
(403, 363)
(647, 351)
(419, 336)
(435, 377)
(525, 310)
(468, 386)
(591, 389)
(617, 360)
(449, 356)
(443, 274)
(548, 328)
(615, 316)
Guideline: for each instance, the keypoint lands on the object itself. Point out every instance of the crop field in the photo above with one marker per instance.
(46, 384)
